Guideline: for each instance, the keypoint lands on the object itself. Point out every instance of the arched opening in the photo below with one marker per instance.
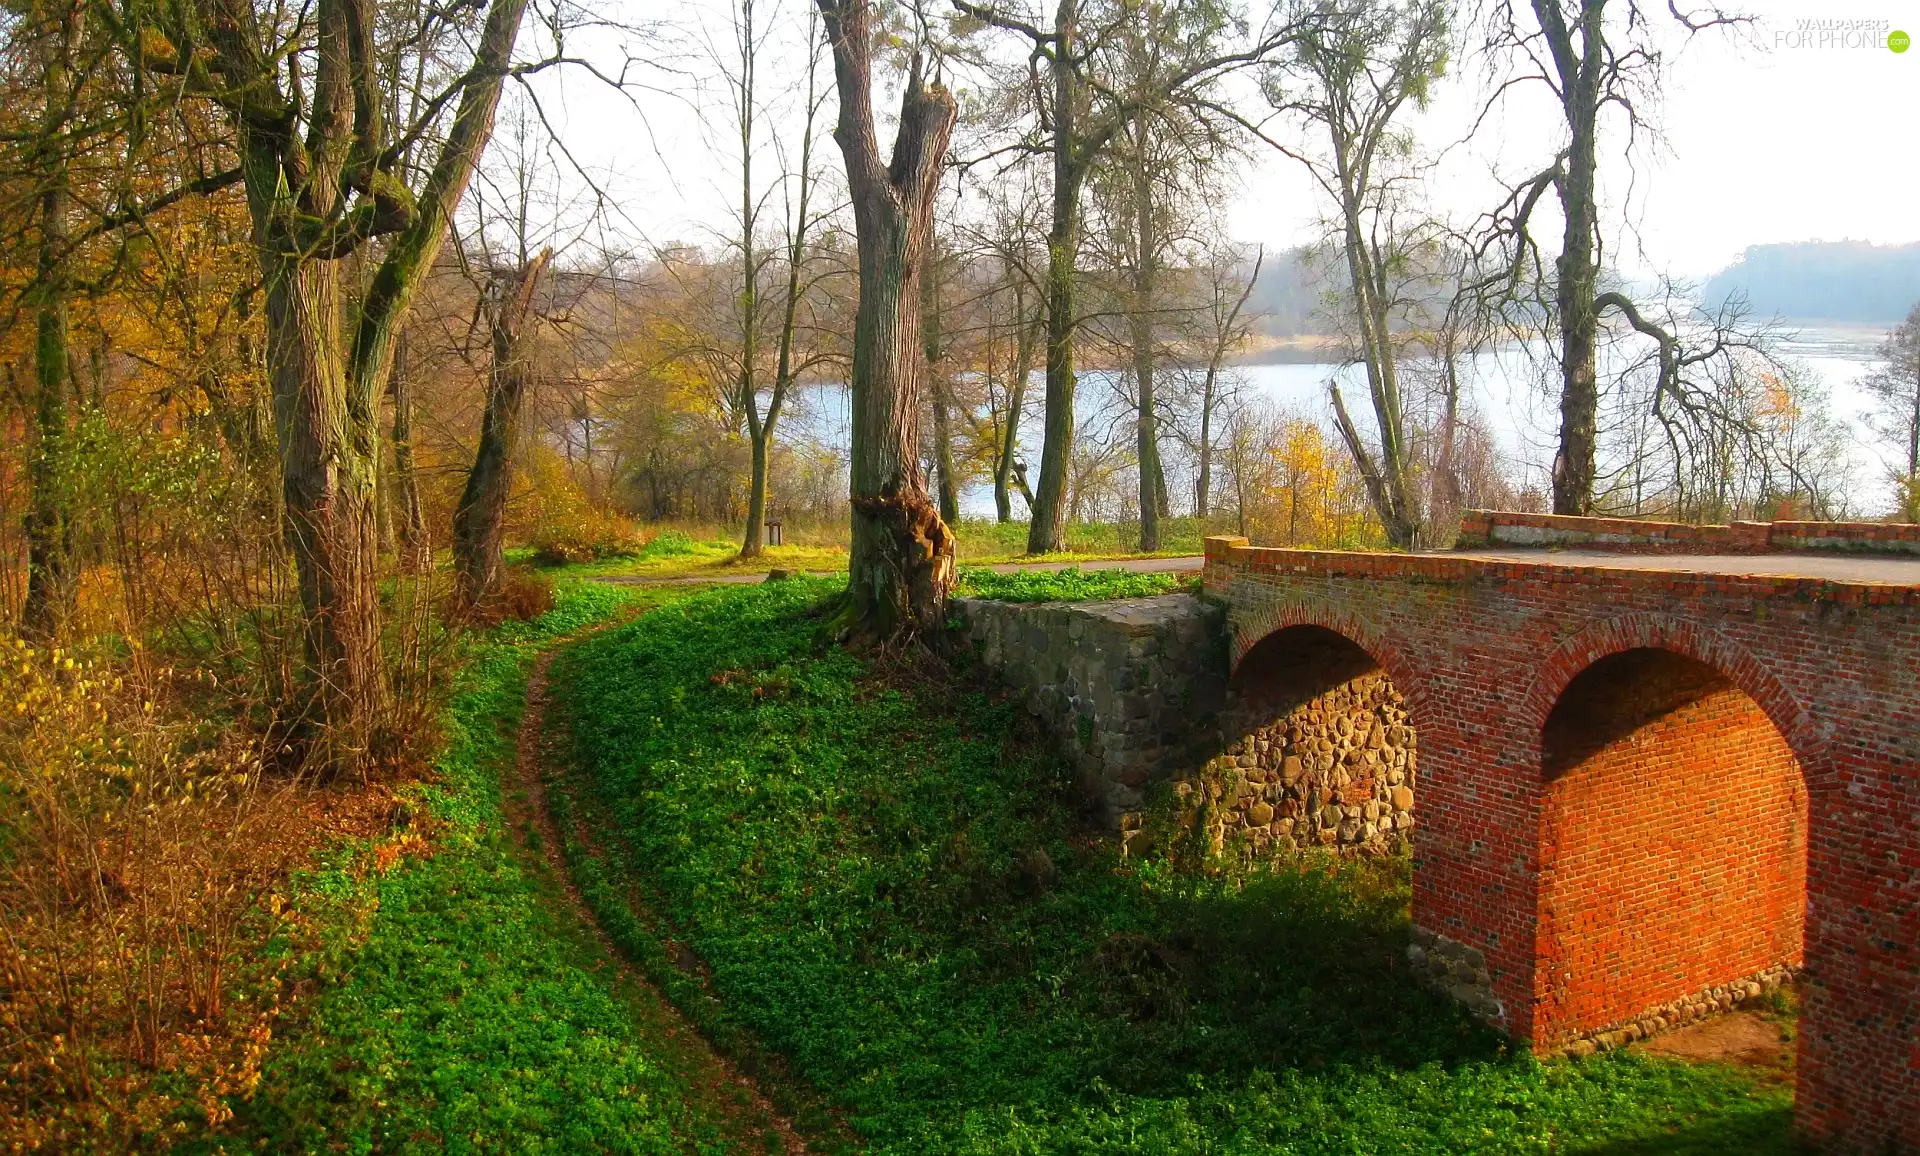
(1673, 844)
(1320, 744)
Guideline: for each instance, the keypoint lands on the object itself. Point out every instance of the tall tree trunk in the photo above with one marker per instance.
(1913, 435)
(479, 519)
(51, 576)
(1575, 465)
(1047, 531)
(1026, 333)
(1153, 482)
(900, 567)
(940, 397)
(1388, 480)
(327, 470)
(948, 489)
(753, 543)
(413, 522)
(1203, 479)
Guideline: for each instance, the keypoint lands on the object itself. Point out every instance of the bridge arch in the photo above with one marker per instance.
(1254, 628)
(1319, 721)
(1673, 832)
(1690, 640)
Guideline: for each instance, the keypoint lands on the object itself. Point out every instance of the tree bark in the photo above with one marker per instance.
(1047, 530)
(948, 488)
(413, 522)
(1025, 334)
(1153, 482)
(901, 564)
(941, 398)
(51, 577)
(1203, 479)
(479, 519)
(1575, 466)
(327, 469)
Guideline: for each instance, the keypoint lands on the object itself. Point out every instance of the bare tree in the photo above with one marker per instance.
(936, 344)
(1014, 239)
(1593, 55)
(900, 567)
(1077, 118)
(1894, 386)
(1224, 326)
(796, 184)
(1361, 64)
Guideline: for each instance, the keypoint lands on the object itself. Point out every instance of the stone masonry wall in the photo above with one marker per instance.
(1131, 688)
(1312, 767)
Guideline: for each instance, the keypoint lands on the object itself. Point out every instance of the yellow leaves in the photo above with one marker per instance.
(1304, 491)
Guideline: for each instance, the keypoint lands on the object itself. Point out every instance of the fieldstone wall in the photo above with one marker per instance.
(1131, 688)
(1333, 770)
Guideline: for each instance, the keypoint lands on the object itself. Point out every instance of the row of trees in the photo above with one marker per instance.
(241, 217)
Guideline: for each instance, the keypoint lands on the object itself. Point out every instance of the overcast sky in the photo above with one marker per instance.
(1765, 139)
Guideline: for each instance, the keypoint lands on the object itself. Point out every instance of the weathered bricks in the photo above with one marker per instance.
(1484, 528)
(1814, 703)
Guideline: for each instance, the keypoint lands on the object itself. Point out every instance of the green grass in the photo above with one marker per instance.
(460, 1008)
(1069, 585)
(982, 541)
(713, 551)
(840, 847)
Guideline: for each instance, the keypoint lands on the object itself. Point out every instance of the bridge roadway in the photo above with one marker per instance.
(1827, 565)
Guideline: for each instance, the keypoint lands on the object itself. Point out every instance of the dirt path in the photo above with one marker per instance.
(728, 1096)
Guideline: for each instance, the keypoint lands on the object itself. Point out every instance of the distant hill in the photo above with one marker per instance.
(1287, 295)
(1845, 281)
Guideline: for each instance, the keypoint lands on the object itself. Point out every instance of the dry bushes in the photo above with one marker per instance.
(517, 596)
(584, 534)
(138, 861)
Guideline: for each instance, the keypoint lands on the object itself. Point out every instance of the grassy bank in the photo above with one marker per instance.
(459, 1006)
(713, 551)
(1069, 585)
(882, 880)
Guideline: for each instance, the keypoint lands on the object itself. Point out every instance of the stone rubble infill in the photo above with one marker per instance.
(1457, 970)
(1681, 1012)
(1336, 771)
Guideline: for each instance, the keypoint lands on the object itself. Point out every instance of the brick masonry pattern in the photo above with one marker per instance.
(1482, 650)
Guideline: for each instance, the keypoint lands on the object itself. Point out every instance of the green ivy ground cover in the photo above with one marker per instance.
(461, 1009)
(1069, 585)
(845, 852)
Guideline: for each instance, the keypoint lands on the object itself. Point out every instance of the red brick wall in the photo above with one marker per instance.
(1484, 528)
(1482, 650)
(1673, 842)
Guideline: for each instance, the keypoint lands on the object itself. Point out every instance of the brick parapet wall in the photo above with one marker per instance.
(1481, 529)
(1482, 649)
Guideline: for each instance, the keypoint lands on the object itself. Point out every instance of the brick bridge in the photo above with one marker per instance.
(1646, 778)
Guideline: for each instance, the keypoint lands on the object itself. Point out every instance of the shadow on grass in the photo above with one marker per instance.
(1299, 969)
(1764, 1132)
